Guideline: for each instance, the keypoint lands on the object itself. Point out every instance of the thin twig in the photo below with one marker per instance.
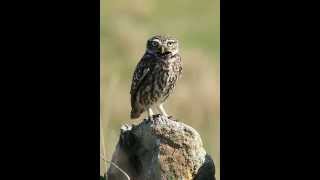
(104, 152)
(114, 164)
(103, 146)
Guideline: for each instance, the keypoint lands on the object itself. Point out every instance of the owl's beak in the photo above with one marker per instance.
(162, 50)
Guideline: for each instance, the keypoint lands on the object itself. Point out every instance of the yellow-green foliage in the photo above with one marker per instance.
(125, 27)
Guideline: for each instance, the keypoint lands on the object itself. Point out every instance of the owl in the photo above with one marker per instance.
(155, 76)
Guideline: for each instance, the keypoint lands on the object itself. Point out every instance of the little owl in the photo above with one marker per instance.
(155, 76)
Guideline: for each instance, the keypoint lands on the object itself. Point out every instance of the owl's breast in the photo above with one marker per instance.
(160, 81)
(166, 79)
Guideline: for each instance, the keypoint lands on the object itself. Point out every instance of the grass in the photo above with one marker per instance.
(125, 27)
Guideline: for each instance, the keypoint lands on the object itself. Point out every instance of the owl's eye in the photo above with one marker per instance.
(154, 43)
(170, 43)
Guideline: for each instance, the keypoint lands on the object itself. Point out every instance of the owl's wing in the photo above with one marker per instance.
(141, 71)
(179, 65)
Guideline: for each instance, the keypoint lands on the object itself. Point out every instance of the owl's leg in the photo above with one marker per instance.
(150, 113)
(161, 109)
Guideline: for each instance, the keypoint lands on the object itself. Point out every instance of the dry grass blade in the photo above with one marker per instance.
(116, 166)
(104, 152)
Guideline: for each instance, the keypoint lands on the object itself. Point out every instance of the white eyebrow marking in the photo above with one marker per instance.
(157, 40)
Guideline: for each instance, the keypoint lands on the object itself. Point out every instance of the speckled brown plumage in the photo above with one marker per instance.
(156, 74)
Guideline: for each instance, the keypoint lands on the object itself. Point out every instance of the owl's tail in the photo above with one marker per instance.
(135, 113)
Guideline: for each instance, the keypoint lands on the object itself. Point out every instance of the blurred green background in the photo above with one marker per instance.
(125, 28)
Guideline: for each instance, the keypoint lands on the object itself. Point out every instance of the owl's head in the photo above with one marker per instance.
(162, 45)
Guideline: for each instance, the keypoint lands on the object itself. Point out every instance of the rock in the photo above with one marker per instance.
(161, 149)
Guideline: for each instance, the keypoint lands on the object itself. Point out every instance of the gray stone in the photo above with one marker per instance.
(161, 149)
